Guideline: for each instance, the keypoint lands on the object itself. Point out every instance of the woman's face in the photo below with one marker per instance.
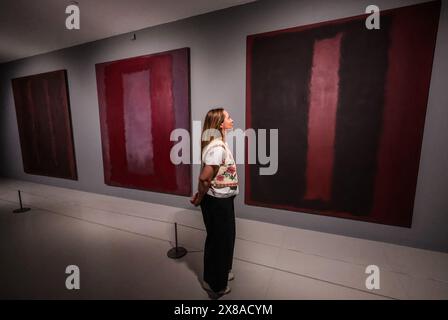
(228, 122)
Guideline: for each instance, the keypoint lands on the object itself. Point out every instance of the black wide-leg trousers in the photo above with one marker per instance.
(219, 220)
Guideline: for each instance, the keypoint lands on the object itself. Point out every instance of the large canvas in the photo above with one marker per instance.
(141, 101)
(44, 122)
(350, 106)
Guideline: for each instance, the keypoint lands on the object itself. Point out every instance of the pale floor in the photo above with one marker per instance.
(120, 247)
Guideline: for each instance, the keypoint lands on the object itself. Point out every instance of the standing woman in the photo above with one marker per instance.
(217, 188)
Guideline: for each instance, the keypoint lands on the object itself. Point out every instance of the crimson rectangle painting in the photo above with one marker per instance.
(350, 106)
(44, 122)
(141, 100)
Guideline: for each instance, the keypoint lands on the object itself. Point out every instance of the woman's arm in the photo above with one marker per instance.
(205, 178)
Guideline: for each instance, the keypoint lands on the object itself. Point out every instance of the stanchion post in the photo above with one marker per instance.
(176, 252)
(21, 209)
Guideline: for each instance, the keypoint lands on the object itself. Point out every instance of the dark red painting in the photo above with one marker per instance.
(44, 122)
(141, 101)
(350, 106)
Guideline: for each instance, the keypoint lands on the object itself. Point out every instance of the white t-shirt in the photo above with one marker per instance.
(215, 155)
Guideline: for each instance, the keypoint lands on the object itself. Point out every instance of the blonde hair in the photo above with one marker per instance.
(212, 126)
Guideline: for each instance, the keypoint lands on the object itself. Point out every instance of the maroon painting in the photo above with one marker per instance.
(44, 122)
(141, 101)
(350, 107)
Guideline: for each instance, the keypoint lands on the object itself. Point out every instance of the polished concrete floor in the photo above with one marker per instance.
(120, 247)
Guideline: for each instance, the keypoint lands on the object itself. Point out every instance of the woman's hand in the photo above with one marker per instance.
(207, 173)
(196, 199)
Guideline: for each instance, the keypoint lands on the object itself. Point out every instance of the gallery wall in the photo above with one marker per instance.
(217, 43)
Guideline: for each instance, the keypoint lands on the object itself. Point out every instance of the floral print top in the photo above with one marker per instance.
(225, 183)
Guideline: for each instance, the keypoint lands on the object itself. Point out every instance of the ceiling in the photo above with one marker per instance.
(29, 27)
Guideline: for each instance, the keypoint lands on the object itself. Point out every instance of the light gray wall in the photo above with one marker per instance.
(218, 60)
